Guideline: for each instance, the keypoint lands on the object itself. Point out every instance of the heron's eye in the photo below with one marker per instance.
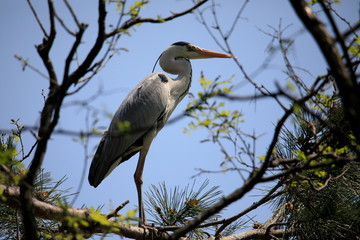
(190, 48)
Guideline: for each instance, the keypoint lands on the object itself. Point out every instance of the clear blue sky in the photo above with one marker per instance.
(174, 156)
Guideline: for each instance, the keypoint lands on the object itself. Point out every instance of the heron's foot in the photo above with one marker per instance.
(151, 229)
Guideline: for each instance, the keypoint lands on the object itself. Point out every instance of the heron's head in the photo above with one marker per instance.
(189, 51)
(174, 59)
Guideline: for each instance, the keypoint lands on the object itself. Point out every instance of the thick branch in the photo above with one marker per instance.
(44, 134)
(43, 51)
(41, 209)
(11, 197)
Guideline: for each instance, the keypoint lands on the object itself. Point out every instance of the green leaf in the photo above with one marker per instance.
(342, 151)
(301, 156)
(162, 20)
(227, 90)
(225, 113)
(136, 6)
(205, 123)
(98, 217)
(290, 86)
(355, 50)
(296, 108)
(294, 184)
(204, 82)
(320, 173)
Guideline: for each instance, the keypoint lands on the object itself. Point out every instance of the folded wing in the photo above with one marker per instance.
(141, 111)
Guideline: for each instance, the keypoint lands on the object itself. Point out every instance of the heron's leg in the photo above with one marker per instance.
(138, 183)
(147, 139)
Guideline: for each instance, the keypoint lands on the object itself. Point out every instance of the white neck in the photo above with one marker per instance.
(171, 63)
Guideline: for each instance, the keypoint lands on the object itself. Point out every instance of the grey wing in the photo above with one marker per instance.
(140, 112)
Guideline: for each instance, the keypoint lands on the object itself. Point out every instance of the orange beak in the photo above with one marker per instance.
(204, 53)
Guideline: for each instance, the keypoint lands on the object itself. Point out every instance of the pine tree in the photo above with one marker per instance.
(324, 202)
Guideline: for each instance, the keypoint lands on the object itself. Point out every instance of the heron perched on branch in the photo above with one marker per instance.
(144, 112)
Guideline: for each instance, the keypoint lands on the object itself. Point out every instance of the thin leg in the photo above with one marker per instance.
(147, 139)
(138, 183)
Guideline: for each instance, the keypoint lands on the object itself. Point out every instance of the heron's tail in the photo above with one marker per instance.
(96, 173)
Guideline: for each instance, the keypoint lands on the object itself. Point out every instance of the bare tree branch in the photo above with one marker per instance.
(72, 13)
(37, 18)
(25, 64)
(133, 21)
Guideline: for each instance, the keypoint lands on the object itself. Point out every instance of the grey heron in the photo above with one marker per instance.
(144, 112)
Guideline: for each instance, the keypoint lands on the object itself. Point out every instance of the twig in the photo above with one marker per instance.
(115, 211)
(64, 25)
(85, 80)
(329, 179)
(351, 30)
(57, 131)
(37, 18)
(72, 13)
(208, 29)
(291, 71)
(25, 63)
(227, 47)
(30, 151)
(237, 19)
